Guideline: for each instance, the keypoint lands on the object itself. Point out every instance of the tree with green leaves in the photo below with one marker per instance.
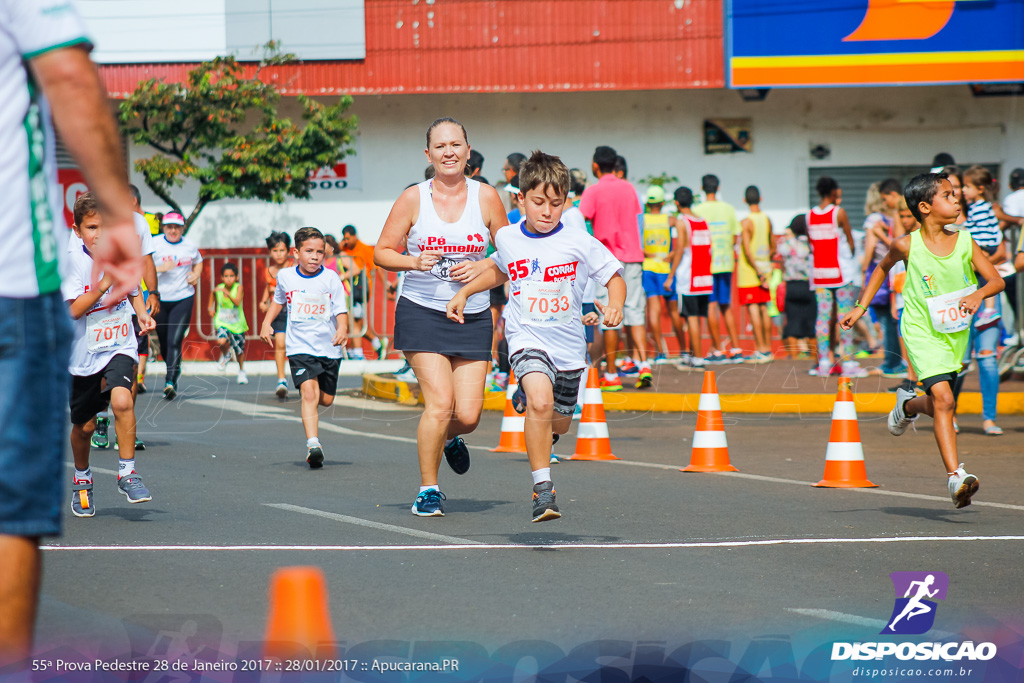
(221, 129)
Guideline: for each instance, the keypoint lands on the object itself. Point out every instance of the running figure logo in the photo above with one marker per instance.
(914, 612)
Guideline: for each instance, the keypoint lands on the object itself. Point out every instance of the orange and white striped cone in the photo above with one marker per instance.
(710, 452)
(513, 425)
(592, 441)
(844, 457)
(299, 622)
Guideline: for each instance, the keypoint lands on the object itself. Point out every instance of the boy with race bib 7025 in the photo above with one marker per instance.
(316, 332)
(104, 358)
(548, 268)
(940, 297)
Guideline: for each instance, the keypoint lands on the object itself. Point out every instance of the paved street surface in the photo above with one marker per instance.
(662, 555)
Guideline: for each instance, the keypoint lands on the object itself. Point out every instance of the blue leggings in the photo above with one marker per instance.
(988, 365)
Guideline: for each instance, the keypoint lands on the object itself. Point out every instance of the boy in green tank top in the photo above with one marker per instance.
(229, 319)
(940, 297)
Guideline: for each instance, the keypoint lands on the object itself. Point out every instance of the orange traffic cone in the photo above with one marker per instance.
(844, 458)
(592, 441)
(710, 451)
(299, 625)
(513, 425)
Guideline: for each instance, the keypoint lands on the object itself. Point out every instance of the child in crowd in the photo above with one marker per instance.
(983, 224)
(657, 246)
(104, 358)
(317, 329)
(279, 244)
(881, 228)
(940, 298)
(800, 306)
(691, 270)
(547, 266)
(228, 317)
(753, 269)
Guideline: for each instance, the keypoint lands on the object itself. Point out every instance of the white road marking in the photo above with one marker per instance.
(844, 618)
(467, 545)
(255, 410)
(373, 525)
(779, 480)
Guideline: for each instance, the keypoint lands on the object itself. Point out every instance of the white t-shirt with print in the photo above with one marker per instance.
(573, 218)
(314, 303)
(32, 220)
(547, 277)
(173, 283)
(102, 333)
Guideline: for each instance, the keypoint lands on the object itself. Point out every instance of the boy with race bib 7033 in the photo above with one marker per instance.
(316, 332)
(104, 358)
(548, 268)
(940, 296)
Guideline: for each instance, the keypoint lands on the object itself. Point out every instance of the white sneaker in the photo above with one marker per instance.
(222, 363)
(898, 420)
(853, 370)
(962, 486)
(242, 378)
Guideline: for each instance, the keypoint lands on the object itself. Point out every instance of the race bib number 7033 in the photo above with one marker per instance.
(546, 304)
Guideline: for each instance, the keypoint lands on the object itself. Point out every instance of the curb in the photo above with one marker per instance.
(407, 393)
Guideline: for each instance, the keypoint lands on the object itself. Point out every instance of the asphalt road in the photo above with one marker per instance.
(659, 555)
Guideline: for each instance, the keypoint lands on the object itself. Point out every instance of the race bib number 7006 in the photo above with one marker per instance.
(945, 312)
(546, 304)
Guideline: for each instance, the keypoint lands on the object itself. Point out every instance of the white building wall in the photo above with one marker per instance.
(657, 131)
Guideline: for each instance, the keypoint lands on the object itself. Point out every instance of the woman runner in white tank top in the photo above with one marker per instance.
(445, 225)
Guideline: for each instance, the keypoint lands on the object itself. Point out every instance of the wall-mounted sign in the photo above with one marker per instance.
(723, 136)
(776, 43)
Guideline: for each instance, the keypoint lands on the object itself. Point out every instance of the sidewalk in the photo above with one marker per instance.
(782, 386)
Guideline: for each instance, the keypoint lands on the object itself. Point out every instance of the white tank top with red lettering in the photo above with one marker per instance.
(464, 240)
(824, 234)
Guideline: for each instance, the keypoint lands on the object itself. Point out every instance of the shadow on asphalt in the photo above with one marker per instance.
(544, 537)
(135, 513)
(931, 515)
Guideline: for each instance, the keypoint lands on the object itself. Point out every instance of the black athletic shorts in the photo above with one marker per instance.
(323, 370)
(498, 296)
(694, 305)
(928, 382)
(143, 340)
(418, 328)
(280, 323)
(91, 395)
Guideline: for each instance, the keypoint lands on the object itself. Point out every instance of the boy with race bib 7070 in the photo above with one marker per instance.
(940, 296)
(316, 332)
(104, 358)
(547, 268)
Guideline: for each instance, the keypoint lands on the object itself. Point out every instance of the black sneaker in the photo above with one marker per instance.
(100, 437)
(544, 507)
(457, 455)
(139, 445)
(315, 457)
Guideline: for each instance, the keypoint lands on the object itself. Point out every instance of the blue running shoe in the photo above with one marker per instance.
(519, 400)
(133, 489)
(457, 455)
(430, 503)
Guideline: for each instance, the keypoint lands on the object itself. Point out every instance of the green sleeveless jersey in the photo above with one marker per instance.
(229, 316)
(934, 329)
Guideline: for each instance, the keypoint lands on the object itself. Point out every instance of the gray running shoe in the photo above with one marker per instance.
(962, 487)
(898, 419)
(133, 489)
(81, 499)
(544, 507)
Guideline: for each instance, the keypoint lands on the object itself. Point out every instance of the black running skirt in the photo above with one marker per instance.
(418, 328)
